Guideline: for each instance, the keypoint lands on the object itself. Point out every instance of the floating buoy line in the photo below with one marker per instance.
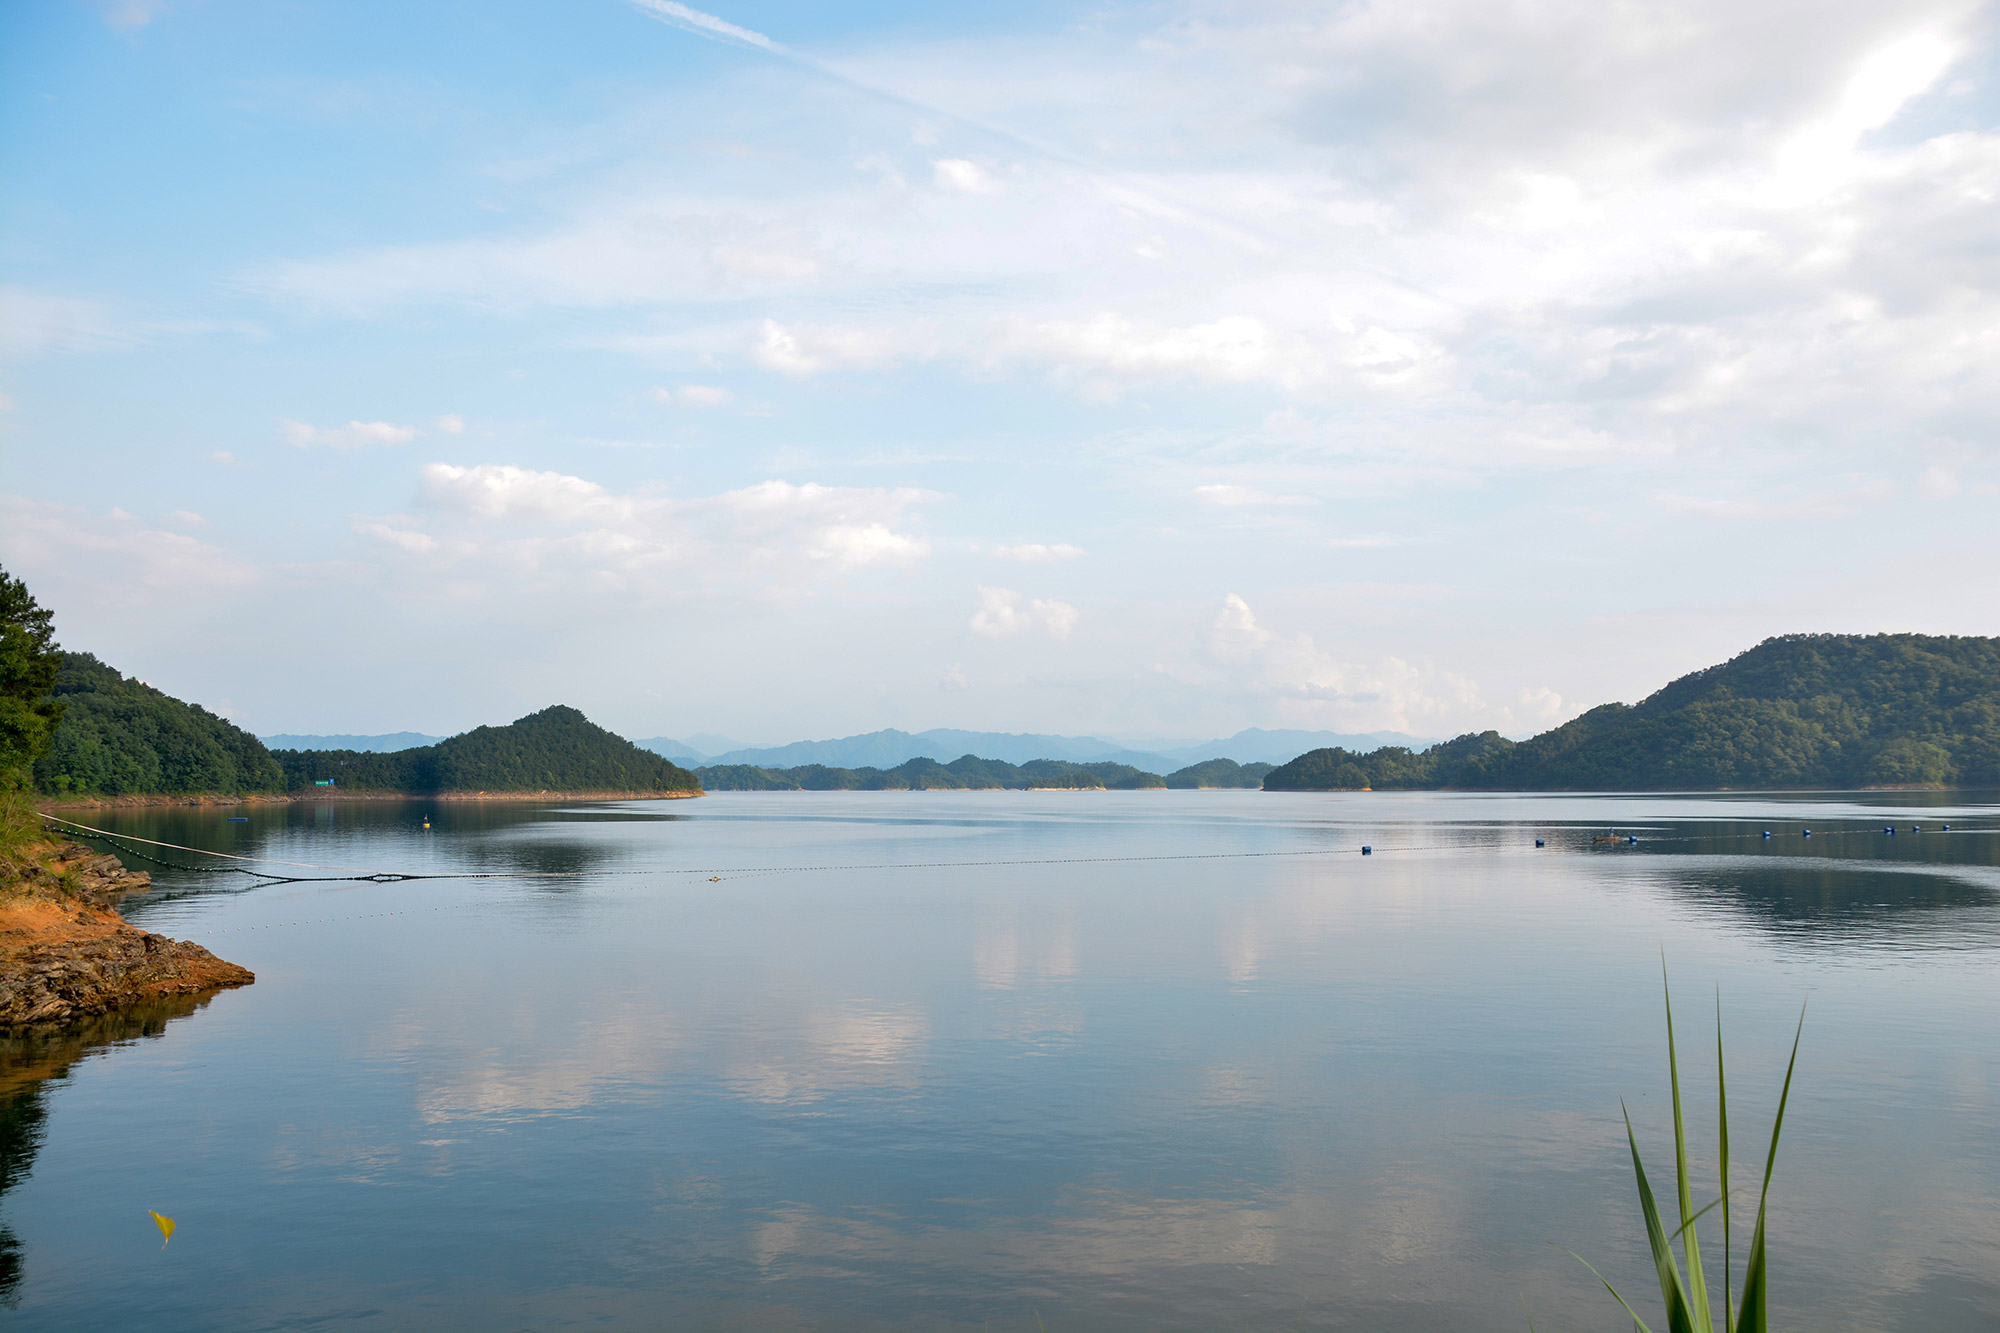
(244, 865)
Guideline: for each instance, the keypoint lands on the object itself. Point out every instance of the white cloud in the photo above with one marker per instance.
(1822, 156)
(223, 457)
(1311, 688)
(702, 395)
(1815, 503)
(967, 177)
(110, 558)
(953, 679)
(1235, 348)
(1938, 482)
(561, 531)
(1037, 553)
(1530, 224)
(354, 435)
(1235, 635)
(1242, 497)
(33, 322)
(449, 424)
(186, 518)
(131, 15)
(1005, 614)
(799, 352)
(502, 491)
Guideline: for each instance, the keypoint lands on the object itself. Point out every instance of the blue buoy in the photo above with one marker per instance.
(1808, 833)
(1632, 838)
(239, 819)
(1538, 842)
(1367, 850)
(1767, 833)
(1947, 828)
(1891, 830)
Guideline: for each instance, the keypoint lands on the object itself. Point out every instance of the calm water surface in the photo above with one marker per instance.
(895, 1060)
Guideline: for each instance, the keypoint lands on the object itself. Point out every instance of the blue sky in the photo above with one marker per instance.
(1144, 370)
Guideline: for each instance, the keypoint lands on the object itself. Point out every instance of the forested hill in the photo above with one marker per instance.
(1805, 710)
(555, 750)
(120, 736)
(972, 773)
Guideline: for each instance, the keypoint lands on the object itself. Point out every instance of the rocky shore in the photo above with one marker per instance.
(66, 953)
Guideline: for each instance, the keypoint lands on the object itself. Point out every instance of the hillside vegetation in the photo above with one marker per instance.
(1804, 710)
(971, 773)
(966, 773)
(119, 736)
(1219, 773)
(555, 750)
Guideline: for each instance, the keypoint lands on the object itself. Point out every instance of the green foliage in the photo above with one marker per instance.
(557, 749)
(966, 773)
(120, 736)
(29, 664)
(1219, 773)
(1684, 1290)
(1805, 710)
(746, 777)
(1393, 768)
(21, 834)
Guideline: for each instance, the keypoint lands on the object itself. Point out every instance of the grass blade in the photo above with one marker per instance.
(1756, 1316)
(1697, 1288)
(1608, 1287)
(1671, 1291)
(1722, 1121)
(1692, 1220)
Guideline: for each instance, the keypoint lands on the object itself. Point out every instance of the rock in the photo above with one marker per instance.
(65, 954)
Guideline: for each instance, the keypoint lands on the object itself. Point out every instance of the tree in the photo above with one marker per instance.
(28, 664)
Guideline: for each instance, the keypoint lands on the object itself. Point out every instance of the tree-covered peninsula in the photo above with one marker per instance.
(1800, 711)
(557, 750)
(118, 736)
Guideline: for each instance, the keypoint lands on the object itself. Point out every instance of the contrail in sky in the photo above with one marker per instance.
(721, 30)
(708, 25)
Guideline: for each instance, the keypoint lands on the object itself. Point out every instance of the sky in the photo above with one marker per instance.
(1141, 370)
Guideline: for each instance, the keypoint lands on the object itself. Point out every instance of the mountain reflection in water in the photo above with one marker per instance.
(934, 1060)
(31, 1057)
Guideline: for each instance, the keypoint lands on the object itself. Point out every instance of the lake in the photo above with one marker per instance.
(1125, 1060)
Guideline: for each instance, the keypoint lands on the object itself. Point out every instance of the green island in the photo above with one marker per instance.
(1828, 711)
(557, 750)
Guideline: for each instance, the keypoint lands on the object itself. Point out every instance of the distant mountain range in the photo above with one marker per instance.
(385, 744)
(886, 749)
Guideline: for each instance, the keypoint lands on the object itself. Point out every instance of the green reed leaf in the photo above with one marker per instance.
(1756, 1315)
(1671, 1291)
(1697, 1288)
(1722, 1122)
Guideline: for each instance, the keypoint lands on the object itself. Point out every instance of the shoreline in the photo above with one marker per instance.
(66, 953)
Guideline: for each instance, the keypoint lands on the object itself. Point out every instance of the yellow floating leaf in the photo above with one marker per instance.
(166, 1226)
